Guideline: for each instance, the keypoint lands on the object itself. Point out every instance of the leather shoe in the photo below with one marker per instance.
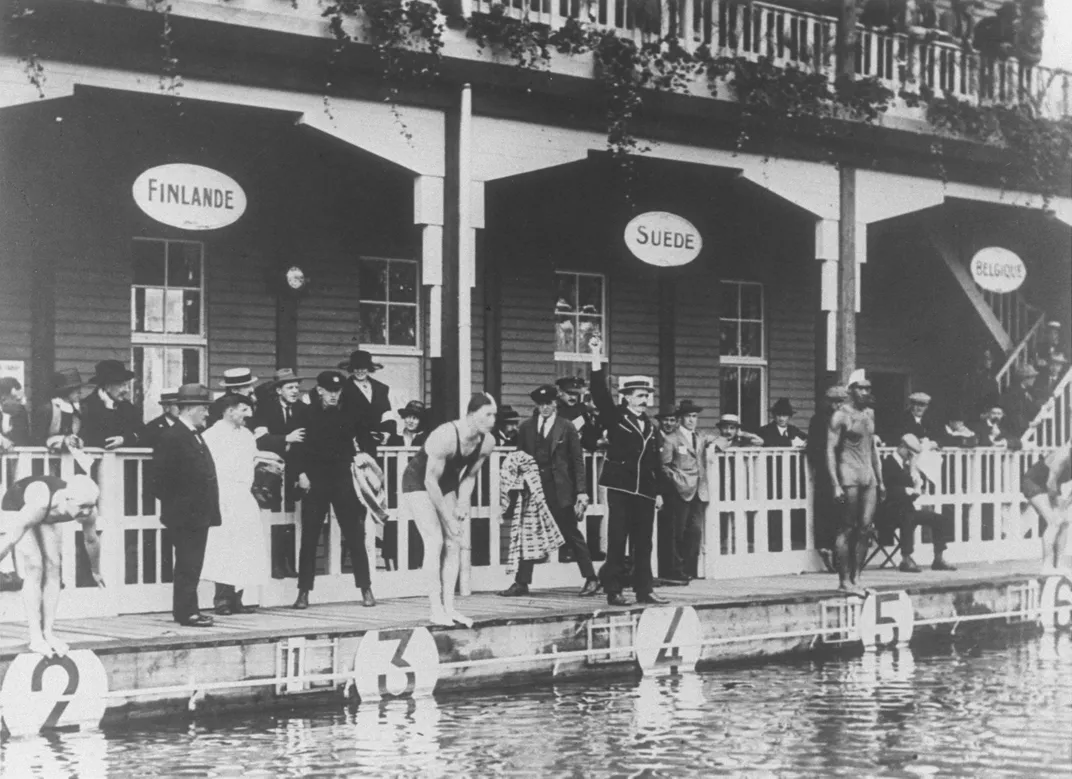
(224, 610)
(942, 565)
(908, 565)
(617, 599)
(591, 587)
(673, 581)
(651, 597)
(303, 600)
(515, 590)
(197, 621)
(367, 598)
(242, 608)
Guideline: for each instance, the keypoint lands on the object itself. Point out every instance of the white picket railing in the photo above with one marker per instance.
(1052, 427)
(759, 522)
(793, 38)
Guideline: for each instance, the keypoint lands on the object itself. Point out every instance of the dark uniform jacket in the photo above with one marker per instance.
(184, 480)
(368, 413)
(154, 428)
(632, 463)
(590, 431)
(99, 423)
(926, 427)
(771, 436)
(330, 435)
(559, 456)
(19, 434)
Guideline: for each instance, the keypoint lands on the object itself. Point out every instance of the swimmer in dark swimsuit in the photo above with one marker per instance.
(1041, 486)
(437, 490)
(34, 508)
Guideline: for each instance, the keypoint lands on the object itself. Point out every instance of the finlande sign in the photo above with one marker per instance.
(191, 197)
(663, 239)
(998, 270)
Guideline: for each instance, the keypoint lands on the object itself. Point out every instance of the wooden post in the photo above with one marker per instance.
(847, 269)
(492, 317)
(846, 39)
(445, 400)
(286, 332)
(667, 358)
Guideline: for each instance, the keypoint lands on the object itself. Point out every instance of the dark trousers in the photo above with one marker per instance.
(685, 535)
(189, 546)
(334, 488)
(575, 541)
(630, 517)
(826, 512)
(924, 518)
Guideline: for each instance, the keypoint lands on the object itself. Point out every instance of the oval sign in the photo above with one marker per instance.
(998, 270)
(663, 239)
(191, 197)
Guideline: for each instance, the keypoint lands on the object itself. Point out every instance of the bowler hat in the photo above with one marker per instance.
(332, 381)
(729, 419)
(782, 407)
(193, 395)
(571, 383)
(545, 393)
(237, 377)
(110, 372)
(360, 360)
(413, 409)
(688, 407)
(66, 380)
(285, 376)
(507, 414)
(666, 411)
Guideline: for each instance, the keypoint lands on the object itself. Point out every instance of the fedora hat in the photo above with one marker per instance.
(284, 376)
(666, 411)
(688, 407)
(110, 372)
(66, 380)
(193, 395)
(783, 406)
(237, 377)
(413, 409)
(360, 360)
(507, 414)
(167, 396)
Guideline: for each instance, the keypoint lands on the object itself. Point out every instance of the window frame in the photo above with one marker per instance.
(738, 362)
(581, 357)
(393, 349)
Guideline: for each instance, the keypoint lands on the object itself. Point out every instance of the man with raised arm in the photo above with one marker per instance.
(856, 478)
(34, 508)
(631, 474)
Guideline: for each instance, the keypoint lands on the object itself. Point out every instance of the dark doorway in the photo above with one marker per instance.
(891, 393)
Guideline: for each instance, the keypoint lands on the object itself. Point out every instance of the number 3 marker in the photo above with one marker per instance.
(396, 664)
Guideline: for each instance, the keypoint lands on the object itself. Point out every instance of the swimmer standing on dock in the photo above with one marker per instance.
(437, 491)
(34, 508)
(856, 478)
(1041, 486)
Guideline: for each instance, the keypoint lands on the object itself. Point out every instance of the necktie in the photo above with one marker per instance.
(286, 414)
(694, 442)
(543, 428)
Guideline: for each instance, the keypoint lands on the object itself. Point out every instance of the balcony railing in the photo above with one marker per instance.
(760, 521)
(804, 40)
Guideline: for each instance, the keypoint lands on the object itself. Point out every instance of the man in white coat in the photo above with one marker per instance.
(238, 554)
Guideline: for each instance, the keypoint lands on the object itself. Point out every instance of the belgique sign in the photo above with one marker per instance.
(998, 270)
(663, 239)
(191, 197)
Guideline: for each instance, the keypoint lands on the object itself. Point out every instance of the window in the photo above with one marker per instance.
(580, 314)
(390, 314)
(742, 352)
(167, 318)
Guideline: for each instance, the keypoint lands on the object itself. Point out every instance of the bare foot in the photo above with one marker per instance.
(461, 619)
(41, 647)
(60, 648)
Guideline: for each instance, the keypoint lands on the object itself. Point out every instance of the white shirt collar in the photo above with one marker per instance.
(63, 405)
(782, 430)
(188, 424)
(106, 399)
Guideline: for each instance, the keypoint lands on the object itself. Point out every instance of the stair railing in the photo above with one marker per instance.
(1052, 426)
(1020, 355)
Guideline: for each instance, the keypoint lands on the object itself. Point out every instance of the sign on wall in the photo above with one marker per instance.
(191, 197)
(15, 369)
(663, 239)
(996, 269)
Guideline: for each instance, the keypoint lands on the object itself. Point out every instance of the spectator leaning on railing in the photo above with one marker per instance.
(58, 422)
(14, 420)
(780, 432)
(990, 430)
(109, 419)
(918, 421)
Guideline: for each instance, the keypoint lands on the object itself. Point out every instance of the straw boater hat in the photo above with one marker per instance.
(193, 395)
(234, 378)
(360, 360)
(920, 397)
(110, 372)
(66, 380)
(627, 384)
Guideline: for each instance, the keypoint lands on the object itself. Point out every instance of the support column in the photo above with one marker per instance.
(444, 296)
(847, 275)
(286, 331)
(826, 252)
(466, 247)
(428, 193)
(667, 324)
(492, 278)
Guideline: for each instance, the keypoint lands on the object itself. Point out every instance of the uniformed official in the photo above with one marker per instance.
(573, 409)
(631, 475)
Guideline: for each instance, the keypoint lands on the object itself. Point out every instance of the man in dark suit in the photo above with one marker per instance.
(109, 419)
(14, 419)
(917, 421)
(366, 399)
(154, 428)
(898, 511)
(507, 421)
(279, 426)
(632, 475)
(556, 446)
(780, 432)
(184, 480)
(324, 474)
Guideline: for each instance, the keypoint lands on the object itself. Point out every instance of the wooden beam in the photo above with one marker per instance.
(667, 322)
(492, 299)
(445, 400)
(847, 270)
(951, 257)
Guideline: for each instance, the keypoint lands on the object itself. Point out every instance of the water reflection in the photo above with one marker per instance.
(973, 709)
